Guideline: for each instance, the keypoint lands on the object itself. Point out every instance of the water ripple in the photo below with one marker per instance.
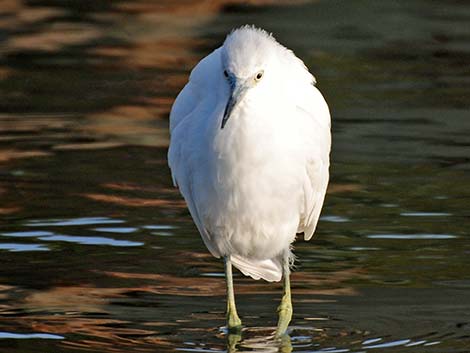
(91, 240)
(13, 247)
(46, 336)
(335, 219)
(159, 227)
(49, 236)
(27, 234)
(389, 344)
(72, 222)
(425, 214)
(417, 343)
(116, 229)
(371, 340)
(412, 236)
(163, 234)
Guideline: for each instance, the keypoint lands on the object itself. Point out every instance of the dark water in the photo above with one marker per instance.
(97, 250)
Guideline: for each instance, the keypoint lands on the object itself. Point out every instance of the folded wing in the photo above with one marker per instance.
(314, 112)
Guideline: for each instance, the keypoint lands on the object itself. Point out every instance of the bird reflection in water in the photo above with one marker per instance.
(264, 343)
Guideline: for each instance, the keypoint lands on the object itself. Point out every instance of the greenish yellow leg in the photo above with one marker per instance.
(285, 308)
(234, 324)
(233, 339)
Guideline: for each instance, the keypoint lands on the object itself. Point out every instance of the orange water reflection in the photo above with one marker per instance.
(94, 318)
(123, 37)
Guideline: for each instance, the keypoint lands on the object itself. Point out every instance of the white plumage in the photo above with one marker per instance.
(253, 169)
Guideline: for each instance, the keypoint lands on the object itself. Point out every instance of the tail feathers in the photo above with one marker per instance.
(269, 270)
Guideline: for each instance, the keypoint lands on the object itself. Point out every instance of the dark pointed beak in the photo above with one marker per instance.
(237, 93)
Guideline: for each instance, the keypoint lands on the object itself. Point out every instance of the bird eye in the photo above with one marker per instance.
(259, 75)
(226, 73)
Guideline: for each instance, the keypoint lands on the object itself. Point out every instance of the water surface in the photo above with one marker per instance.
(98, 252)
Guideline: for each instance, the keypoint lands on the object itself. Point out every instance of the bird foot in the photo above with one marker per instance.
(234, 324)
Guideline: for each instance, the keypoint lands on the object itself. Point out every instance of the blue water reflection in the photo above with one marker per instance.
(413, 236)
(13, 247)
(90, 240)
(425, 214)
(116, 229)
(72, 222)
(44, 336)
(81, 239)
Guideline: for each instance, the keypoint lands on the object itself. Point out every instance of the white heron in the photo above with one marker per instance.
(249, 151)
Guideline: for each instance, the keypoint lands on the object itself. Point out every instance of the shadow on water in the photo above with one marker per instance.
(97, 250)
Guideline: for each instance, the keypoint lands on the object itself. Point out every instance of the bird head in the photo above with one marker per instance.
(248, 57)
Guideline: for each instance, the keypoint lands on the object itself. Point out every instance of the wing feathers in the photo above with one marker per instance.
(313, 108)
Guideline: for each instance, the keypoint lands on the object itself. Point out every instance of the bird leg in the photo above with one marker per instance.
(234, 323)
(285, 308)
